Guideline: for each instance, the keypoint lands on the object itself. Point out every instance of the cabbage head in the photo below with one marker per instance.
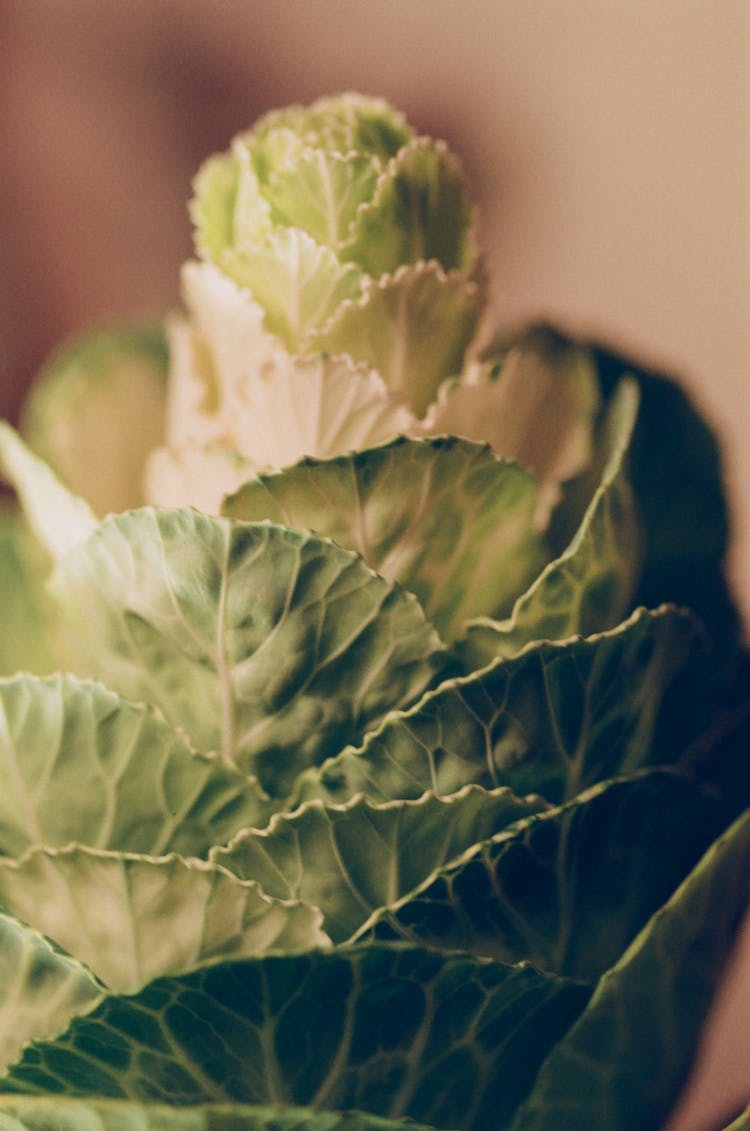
(372, 751)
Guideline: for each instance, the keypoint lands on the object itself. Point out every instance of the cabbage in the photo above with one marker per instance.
(396, 770)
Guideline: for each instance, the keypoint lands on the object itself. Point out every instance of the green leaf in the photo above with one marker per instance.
(352, 860)
(252, 212)
(590, 586)
(322, 192)
(40, 988)
(552, 720)
(624, 1062)
(32, 1113)
(58, 518)
(30, 639)
(678, 480)
(444, 518)
(718, 753)
(133, 918)
(566, 890)
(447, 1040)
(128, 781)
(342, 122)
(212, 208)
(299, 284)
(413, 327)
(268, 645)
(418, 211)
(95, 412)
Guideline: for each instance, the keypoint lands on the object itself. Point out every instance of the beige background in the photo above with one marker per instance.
(608, 142)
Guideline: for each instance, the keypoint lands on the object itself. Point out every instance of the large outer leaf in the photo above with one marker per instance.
(552, 720)
(79, 764)
(676, 472)
(269, 645)
(133, 918)
(569, 889)
(624, 1062)
(590, 586)
(32, 1113)
(40, 988)
(395, 1031)
(445, 518)
(352, 860)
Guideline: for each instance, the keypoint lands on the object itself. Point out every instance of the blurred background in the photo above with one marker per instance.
(607, 143)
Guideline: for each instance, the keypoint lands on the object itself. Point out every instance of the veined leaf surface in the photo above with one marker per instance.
(418, 211)
(133, 918)
(40, 988)
(270, 646)
(552, 720)
(413, 327)
(352, 860)
(79, 764)
(298, 283)
(570, 888)
(445, 518)
(446, 1040)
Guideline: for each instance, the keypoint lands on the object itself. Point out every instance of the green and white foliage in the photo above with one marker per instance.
(377, 788)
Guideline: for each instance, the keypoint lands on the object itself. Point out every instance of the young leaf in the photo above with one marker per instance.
(536, 403)
(313, 406)
(413, 327)
(418, 211)
(213, 206)
(298, 283)
(322, 192)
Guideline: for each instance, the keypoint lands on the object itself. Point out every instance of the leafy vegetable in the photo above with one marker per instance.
(389, 779)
